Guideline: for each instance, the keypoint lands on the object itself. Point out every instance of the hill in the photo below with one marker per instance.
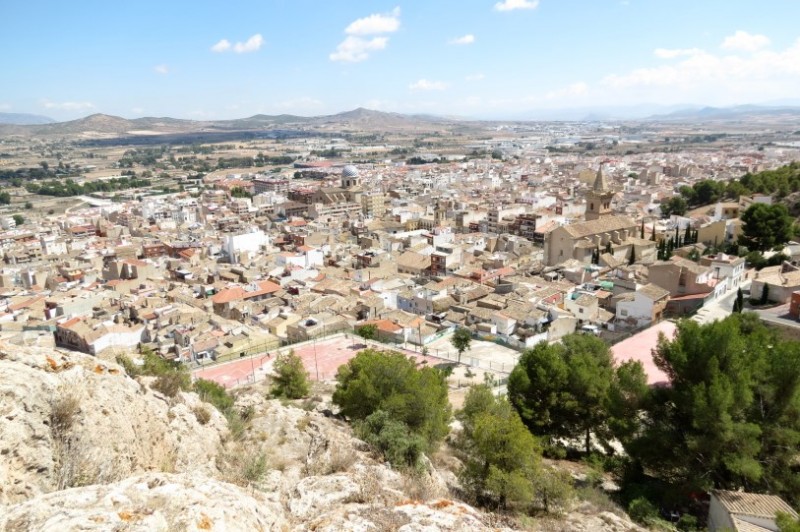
(107, 126)
(85, 447)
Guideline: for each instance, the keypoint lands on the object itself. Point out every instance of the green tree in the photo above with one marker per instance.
(675, 205)
(391, 382)
(731, 416)
(708, 191)
(5, 198)
(502, 458)
(738, 304)
(291, 378)
(393, 439)
(787, 523)
(367, 331)
(765, 226)
(461, 340)
(18, 219)
(627, 397)
(561, 390)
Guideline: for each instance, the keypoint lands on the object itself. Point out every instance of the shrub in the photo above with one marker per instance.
(390, 382)
(171, 383)
(202, 414)
(213, 393)
(128, 365)
(63, 412)
(392, 439)
(687, 523)
(291, 378)
(642, 511)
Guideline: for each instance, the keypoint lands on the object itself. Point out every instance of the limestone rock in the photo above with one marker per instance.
(151, 502)
(69, 419)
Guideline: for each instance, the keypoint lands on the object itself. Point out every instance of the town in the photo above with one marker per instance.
(464, 246)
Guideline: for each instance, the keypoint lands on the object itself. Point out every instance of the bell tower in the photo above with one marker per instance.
(598, 200)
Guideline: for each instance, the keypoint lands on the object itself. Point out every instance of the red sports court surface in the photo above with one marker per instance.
(321, 359)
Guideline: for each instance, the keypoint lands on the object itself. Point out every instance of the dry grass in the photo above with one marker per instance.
(202, 414)
(64, 410)
(420, 487)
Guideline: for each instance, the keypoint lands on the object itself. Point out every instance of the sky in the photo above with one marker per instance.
(471, 58)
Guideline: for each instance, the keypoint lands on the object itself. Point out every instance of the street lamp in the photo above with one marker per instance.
(314, 343)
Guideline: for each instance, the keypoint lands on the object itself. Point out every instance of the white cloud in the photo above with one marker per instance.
(672, 53)
(137, 110)
(222, 46)
(355, 49)
(714, 78)
(475, 77)
(252, 44)
(426, 85)
(465, 39)
(745, 42)
(510, 5)
(5, 106)
(375, 24)
(161, 69)
(68, 106)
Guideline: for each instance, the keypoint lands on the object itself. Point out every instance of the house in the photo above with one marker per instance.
(725, 266)
(642, 307)
(781, 280)
(690, 284)
(93, 337)
(738, 511)
(226, 299)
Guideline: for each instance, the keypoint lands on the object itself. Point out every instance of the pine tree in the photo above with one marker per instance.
(642, 232)
(632, 259)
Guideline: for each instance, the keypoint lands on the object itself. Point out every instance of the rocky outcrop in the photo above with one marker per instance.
(149, 502)
(69, 419)
(85, 447)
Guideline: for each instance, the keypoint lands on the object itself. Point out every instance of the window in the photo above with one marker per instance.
(623, 312)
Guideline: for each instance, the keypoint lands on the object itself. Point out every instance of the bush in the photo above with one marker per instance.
(291, 378)
(213, 393)
(687, 523)
(392, 439)
(390, 382)
(170, 384)
(202, 414)
(128, 365)
(642, 511)
(63, 412)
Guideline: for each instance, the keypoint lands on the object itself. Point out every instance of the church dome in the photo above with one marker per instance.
(349, 171)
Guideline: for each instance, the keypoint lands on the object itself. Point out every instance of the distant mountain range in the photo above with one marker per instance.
(104, 126)
(23, 119)
(101, 126)
(738, 112)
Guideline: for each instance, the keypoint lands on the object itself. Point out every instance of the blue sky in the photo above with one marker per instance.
(205, 59)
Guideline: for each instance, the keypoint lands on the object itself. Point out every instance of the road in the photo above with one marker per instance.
(722, 307)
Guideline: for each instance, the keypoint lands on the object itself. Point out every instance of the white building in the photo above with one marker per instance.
(737, 510)
(250, 242)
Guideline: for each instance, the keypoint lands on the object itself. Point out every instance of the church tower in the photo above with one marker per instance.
(598, 200)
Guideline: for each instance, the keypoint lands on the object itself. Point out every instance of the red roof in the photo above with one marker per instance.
(640, 347)
(237, 293)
